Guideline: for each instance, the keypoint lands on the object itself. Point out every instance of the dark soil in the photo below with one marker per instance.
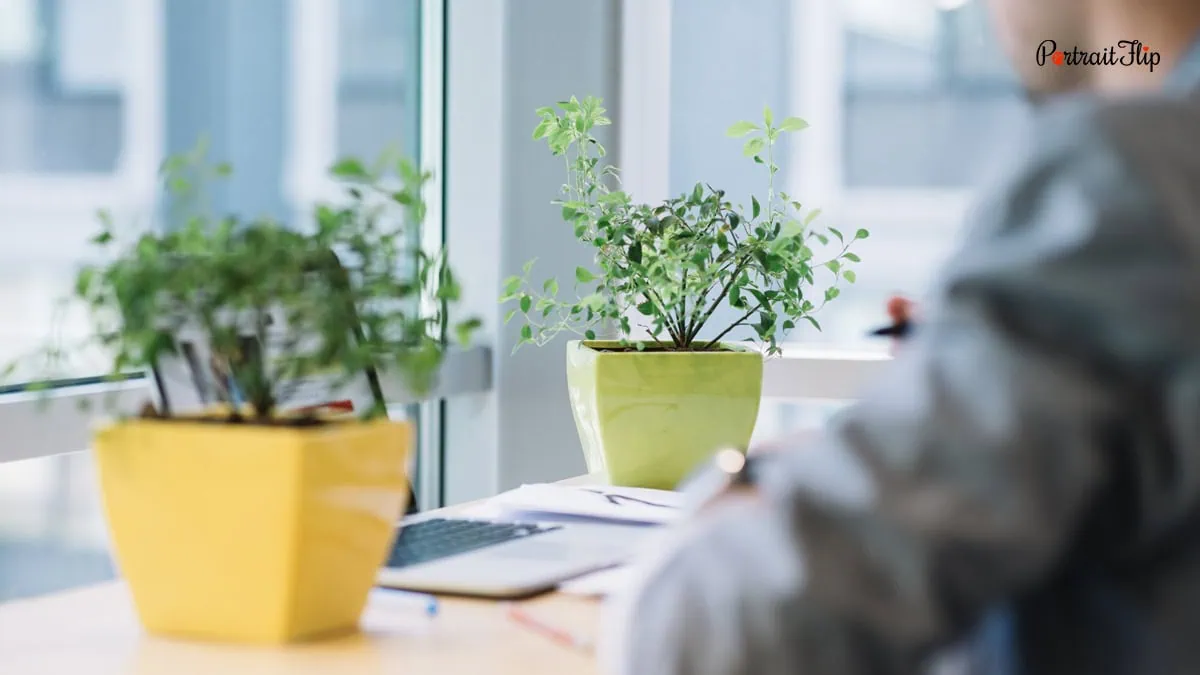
(148, 412)
(657, 349)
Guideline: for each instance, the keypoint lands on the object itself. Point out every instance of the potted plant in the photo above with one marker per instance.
(257, 518)
(649, 410)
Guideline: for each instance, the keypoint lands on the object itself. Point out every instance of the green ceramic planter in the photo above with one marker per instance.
(650, 418)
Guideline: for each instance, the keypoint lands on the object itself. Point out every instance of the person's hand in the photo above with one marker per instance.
(901, 311)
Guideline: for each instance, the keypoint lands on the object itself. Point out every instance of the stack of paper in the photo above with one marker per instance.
(579, 503)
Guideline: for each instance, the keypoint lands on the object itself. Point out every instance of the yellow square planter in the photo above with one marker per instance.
(650, 418)
(248, 533)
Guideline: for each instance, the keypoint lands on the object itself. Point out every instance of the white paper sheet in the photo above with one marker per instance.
(587, 503)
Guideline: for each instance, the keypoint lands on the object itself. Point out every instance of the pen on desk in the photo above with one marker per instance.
(430, 602)
(553, 633)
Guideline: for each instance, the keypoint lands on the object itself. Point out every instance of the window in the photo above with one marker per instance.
(93, 95)
(909, 105)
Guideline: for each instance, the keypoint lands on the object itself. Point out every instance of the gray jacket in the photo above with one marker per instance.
(1028, 471)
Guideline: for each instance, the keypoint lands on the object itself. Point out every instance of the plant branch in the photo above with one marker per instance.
(720, 298)
(673, 330)
(735, 324)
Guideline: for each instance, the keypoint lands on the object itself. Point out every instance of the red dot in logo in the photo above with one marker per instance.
(1057, 58)
(1145, 48)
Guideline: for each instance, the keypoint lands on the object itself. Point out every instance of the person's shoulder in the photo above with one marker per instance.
(1129, 132)
(1081, 158)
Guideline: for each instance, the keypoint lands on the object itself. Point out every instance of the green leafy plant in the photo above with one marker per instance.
(669, 267)
(349, 290)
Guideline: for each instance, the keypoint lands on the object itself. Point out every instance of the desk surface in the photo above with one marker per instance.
(94, 631)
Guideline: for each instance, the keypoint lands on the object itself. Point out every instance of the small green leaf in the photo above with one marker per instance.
(753, 147)
(861, 234)
(550, 287)
(635, 253)
(589, 334)
(813, 322)
(583, 276)
(793, 124)
(526, 303)
(837, 233)
(755, 207)
(852, 257)
(511, 286)
(813, 215)
(349, 167)
(508, 317)
(528, 267)
(850, 276)
(740, 129)
(768, 116)
(463, 330)
(526, 332)
(593, 302)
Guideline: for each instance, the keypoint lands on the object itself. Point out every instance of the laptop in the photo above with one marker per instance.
(432, 553)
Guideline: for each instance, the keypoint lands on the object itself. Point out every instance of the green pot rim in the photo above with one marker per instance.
(727, 348)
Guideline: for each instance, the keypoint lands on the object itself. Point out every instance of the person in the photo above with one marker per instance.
(1029, 466)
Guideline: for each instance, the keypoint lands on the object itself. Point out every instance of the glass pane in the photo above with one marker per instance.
(61, 85)
(729, 59)
(929, 99)
(379, 73)
(65, 91)
(52, 534)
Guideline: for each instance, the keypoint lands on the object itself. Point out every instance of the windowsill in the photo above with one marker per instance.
(72, 385)
(800, 351)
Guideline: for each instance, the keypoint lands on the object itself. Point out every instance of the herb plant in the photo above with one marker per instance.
(669, 267)
(226, 279)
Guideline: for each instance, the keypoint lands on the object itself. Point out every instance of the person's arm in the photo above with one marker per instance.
(963, 477)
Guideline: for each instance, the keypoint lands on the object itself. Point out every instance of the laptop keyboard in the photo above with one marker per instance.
(436, 538)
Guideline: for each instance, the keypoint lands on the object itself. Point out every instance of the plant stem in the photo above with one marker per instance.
(770, 176)
(681, 318)
(735, 324)
(716, 303)
(674, 331)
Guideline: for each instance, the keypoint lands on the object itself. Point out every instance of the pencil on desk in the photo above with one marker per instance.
(553, 633)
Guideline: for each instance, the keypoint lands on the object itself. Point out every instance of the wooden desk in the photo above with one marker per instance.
(93, 631)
